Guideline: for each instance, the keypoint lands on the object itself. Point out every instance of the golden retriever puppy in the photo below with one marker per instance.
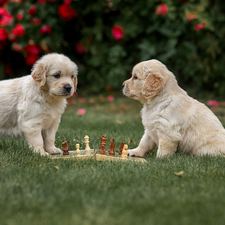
(173, 120)
(31, 106)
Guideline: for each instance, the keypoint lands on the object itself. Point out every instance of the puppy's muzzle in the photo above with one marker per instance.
(67, 89)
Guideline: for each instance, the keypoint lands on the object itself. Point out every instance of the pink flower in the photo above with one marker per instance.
(19, 16)
(91, 100)
(36, 21)
(161, 9)
(117, 32)
(213, 103)
(120, 112)
(18, 30)
(16, 47)
(81, 111)
(74, 95)
(102, 98)
(110, 98)
(45, 29)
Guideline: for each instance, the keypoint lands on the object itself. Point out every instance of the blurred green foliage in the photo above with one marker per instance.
(188, 38)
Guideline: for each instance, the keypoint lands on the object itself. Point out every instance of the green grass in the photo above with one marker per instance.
(32, 191)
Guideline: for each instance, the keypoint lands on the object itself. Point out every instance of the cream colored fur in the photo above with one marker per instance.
(173, 120)
(31, 106)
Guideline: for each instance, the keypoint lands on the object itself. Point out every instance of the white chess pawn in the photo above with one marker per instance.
(125, 152)
(87, 148)
(78, 149)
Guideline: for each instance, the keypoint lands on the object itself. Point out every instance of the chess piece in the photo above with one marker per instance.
(102, 150)
(87, 148)
(77, 149)
(65, 146)
(112, 146)
(121, 148)
(124, 153)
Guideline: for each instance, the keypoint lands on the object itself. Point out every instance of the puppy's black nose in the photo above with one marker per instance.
(67, 88)
(123, 84)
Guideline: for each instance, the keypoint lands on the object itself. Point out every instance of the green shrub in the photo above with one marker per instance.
(107, 38)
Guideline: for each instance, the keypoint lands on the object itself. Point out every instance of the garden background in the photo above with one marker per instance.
(106, 38)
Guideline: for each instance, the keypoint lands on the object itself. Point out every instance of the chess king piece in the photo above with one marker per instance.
(77, 149)
(65, 146)
(112, 146)
(125, 152)
(87, 148)
(121, 148)
(102, 150)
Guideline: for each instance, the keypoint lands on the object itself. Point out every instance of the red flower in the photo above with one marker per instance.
(67, 2)
(117, 32)
(31, 59)
(51, 0)
(32, 10)
(18, 30)
(45, 30)
(32, 49)
(80, 48)
(4, 35)
(42, 1)
(19, 16)
(191, 16)
(199, 26)
(66, 12)
(2, 2)
(161, 9)
(5, 17)
(36, 21)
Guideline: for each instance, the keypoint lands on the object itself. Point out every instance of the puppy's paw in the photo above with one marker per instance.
(43, 153)
(135, 152)
(53, 150)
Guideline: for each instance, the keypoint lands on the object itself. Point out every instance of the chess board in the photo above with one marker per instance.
(95, 155)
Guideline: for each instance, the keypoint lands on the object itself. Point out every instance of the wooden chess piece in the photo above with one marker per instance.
(121, 148)
(77, 149)
(65, 146)
(112, 146)
(125, 152)
(102, 150)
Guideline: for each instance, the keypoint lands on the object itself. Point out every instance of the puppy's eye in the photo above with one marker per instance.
(57, 76)
(72, 76)
(135, 77)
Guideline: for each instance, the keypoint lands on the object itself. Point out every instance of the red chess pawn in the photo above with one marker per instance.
(65, 146)
(112, 146)
(121, 148)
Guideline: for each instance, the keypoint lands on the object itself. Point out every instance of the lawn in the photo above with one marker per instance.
(37, 190)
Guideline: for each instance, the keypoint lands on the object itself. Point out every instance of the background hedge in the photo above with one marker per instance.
(106, 38)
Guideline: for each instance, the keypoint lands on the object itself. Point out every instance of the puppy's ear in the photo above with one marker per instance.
(153, 84)
(75, 84)
(39, 74)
